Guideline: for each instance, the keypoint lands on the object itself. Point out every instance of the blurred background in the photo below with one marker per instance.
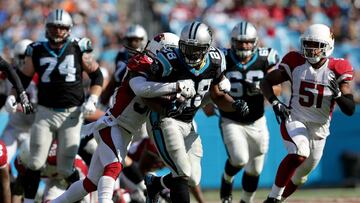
(279, 24)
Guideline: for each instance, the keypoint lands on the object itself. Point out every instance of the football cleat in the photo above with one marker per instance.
(152, 193)
(272, 200)
(226, 191)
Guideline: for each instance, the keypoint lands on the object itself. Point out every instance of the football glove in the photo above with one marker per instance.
(26, 105)
(241, 107)
(175, 108)
(225, 85)
(187, 88)
(10, 104)
(282, 112)
(89, 107)
(333, 85)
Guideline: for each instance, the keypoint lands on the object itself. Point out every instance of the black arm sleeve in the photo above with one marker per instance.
(346, 104)
(11, 75)
(96, 78)
(24, 78)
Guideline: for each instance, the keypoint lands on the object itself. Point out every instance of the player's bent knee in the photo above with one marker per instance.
(299, 180)
(88, 185)
(113, 170)
(303, 149)
(35, 165)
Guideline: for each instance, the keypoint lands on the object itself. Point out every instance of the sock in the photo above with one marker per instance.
(249, 184)
(276, 192)
(289, 189)
(31, 183)
(133, 173)
(162, 182)
(230, 171)
(285, 171)
(74, 193)
(179, 190)
(106, 189)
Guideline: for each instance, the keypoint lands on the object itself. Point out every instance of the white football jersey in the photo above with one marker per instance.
(128, 109)
(311, 98)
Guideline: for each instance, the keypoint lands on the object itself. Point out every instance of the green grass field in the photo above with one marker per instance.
(308, 195)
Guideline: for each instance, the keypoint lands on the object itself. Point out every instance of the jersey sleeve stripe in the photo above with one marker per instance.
(167, 68)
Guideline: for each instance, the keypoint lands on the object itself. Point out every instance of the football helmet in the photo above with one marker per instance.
(19, 51)
(317, 42)
(194, 43)
(244, 32)
(58, 19)
(133, 33)
(160, 41)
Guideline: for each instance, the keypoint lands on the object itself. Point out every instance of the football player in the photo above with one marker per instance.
(114, 131)
(18, 127)
(135, 41)
(59, 62)
(54, 186)
(5, 194)
(10, 73)
(173, 132)
(318, 81)
(246, 138)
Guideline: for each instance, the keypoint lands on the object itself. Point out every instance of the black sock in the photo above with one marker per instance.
(75, 176)
(249, 182)
(179, 191)
(231, 170)
(133, 173)
(31, 183)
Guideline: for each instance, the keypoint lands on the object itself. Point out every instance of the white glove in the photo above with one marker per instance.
(187, 88)
(89, 107)
(10, 104)
(225, 85)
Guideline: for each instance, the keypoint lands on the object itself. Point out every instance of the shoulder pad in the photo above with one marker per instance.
(273, 57)
(292, 60)
(84, 44)
(342, 69)
(140, 63)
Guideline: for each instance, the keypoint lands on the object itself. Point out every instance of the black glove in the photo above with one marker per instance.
(252, 88)
(333, 85)
(282, 112)
(175, 108)
(241, 107)
(26, 105)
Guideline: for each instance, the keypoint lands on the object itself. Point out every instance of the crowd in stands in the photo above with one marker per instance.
(279, 22)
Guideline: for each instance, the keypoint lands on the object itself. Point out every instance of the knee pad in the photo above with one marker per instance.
(299, 180)
(88, 185)
(113, 170)
(303, 149)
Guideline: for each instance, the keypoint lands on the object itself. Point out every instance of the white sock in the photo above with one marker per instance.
(248, 196)
(276, 192)
(26, 200)
(228, 179)
(75, 193)
(106, 189)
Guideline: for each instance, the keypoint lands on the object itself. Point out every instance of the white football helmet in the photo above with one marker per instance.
(161, 41)
(137, 31)
(244, 31)
(55, 19)
(195, 40)
(19, 51)
(324, 42)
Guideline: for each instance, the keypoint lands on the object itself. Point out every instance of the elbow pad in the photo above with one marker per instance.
(96, 77)
(25, 80)
(346, 104)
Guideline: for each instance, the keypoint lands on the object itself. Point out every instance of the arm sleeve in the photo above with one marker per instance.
(346, 104)
(149, 89)
(12, 76)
